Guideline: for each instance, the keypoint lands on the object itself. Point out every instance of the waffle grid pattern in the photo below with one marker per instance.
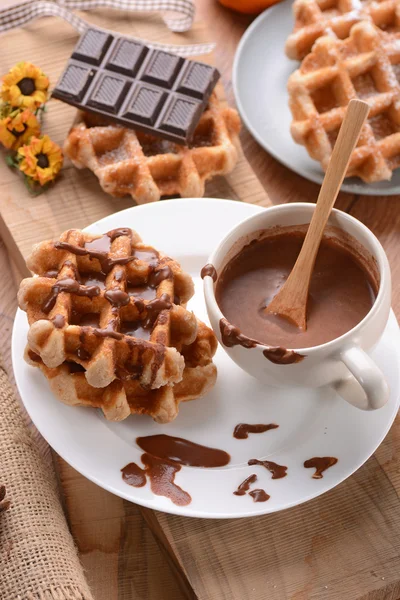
(146, 167)
(315, 18)
(107, 326)
(366, 65)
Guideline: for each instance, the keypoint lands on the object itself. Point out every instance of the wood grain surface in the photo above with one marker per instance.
(344, 545)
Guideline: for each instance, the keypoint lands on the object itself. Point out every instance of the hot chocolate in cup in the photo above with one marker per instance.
(343, 325)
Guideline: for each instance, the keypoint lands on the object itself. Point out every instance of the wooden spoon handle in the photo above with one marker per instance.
(349, 133)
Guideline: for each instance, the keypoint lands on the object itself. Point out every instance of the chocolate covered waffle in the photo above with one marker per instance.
(315, 18)
(147, 167)
(366, 65)
(109, 327)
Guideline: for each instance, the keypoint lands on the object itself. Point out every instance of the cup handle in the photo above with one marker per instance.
(372, 391)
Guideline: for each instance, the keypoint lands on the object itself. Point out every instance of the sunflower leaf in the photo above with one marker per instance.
(11, 161)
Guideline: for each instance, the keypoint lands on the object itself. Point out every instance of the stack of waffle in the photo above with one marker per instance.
(109, 326)
(350, 49)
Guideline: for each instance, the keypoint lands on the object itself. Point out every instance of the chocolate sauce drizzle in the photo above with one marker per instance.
(281, 356)
(245, 485)
(163, 458)
(278, 471)
(242, 430)
(259, 495)
(320, 464)
(72, 287)
(209, 271)
(231, 336)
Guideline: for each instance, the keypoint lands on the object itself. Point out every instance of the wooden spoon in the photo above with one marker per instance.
(291, 300)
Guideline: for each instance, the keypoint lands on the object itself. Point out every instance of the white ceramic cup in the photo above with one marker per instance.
(343, 362)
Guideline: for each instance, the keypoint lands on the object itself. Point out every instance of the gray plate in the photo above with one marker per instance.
(260, 73)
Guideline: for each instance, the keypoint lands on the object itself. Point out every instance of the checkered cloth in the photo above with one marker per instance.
(18, 15)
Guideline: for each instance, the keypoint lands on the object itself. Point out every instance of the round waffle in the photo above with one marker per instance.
(130, 162)
(109, 327)
(366, 65)
(315, 18)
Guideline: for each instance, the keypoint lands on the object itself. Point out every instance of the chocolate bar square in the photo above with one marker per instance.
(139, 87)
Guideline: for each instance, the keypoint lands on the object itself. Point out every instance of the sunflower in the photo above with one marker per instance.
(25, 86)
(41, 159)
(17, 128)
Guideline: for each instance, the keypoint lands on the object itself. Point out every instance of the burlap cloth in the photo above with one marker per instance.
(38, 558)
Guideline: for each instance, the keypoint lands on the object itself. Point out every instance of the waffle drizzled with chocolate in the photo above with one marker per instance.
(315, 18)
(109, 327)
(367, 66)
(147, 167)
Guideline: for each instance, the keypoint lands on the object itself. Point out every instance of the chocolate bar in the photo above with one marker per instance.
(129, 83)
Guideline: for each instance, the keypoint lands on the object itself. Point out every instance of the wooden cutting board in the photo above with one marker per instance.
(120, 560)
(344, 545)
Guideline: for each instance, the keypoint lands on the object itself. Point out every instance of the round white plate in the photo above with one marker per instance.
(260, 73)
(311, 422)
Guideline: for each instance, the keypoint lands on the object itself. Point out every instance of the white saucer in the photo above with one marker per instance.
(311, 422)
(260, 73)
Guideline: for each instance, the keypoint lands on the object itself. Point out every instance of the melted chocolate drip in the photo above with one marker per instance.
(72, 287)
(156, 277)
(114, 233)
(108, 331)
(101, 244)
(209, 271)
(132, 474)
(320, 464)
(231, 336)
(93, 279)
(183, 451)
(154, 307)
(105, 261)
(150, 256)
(83, 354)
(117, 297)
(245, 485)
(259, 495)
(278, 471)
(52, 274)
(58, 321)
(142, 291)
(281, 356)
(242, 430)
(135, 329)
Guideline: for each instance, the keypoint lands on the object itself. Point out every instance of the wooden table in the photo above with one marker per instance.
(342, 546)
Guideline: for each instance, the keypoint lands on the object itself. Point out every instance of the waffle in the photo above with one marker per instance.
(124, 397)
(130, 162)
(315, 18)
(113, 310)
(366, 65)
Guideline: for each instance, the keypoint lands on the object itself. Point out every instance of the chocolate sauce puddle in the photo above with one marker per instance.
(259, 495)
(242, 430)
(245, 485)
(183, 451)
(320, 464)
(209, 271)
(278, 471)
(163, 458)
(161, 474)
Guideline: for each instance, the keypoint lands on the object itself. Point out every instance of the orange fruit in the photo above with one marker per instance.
(249, 7)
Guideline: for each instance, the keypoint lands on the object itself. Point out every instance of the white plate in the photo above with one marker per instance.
(311, 422)
(260, 73)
